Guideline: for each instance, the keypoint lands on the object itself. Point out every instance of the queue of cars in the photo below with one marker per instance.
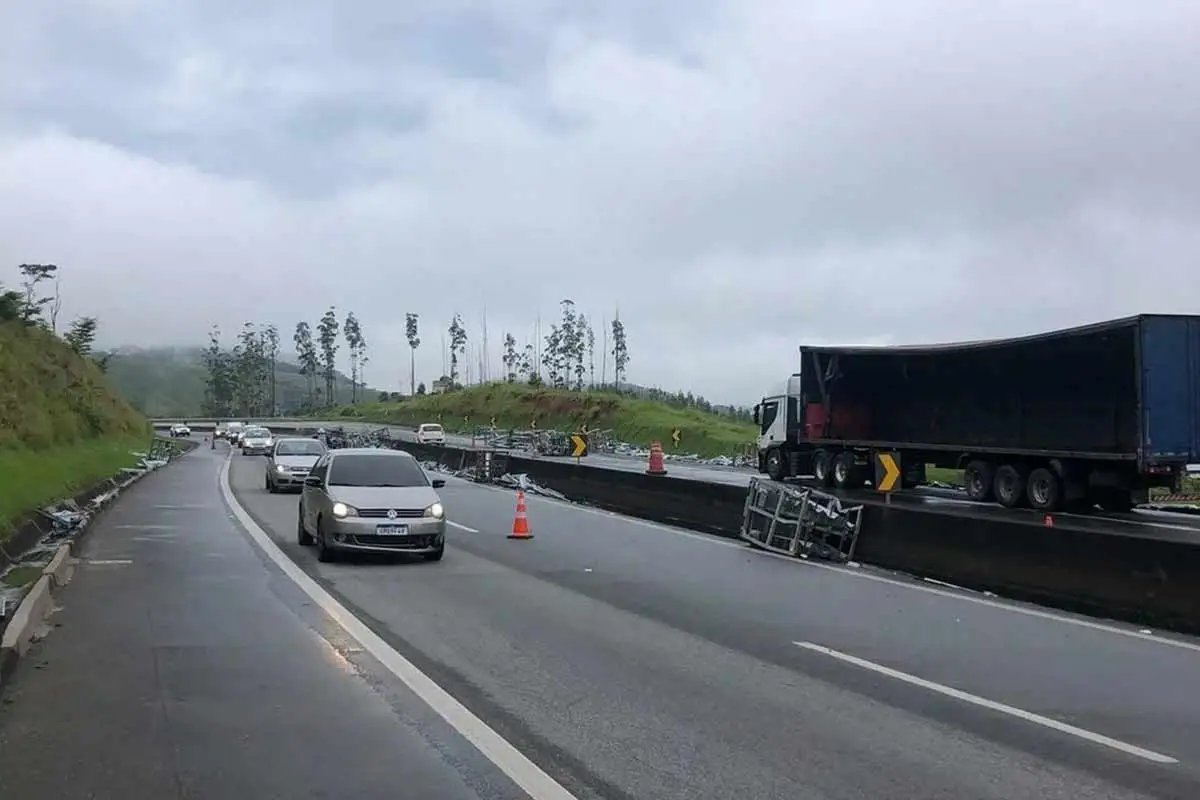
(351, 499)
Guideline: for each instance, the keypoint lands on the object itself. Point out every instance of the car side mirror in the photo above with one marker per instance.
(438, 483)
(313, 480)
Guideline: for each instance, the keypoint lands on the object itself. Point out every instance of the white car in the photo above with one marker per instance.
(431, 433)
(257, 442)
(180, 431)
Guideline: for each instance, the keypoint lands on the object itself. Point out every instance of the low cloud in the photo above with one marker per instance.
(736, 178)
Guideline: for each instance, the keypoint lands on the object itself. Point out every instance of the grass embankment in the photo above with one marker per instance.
(631, 419)
(62, 428)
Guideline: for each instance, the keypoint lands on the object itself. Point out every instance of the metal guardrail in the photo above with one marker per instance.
(798, 521)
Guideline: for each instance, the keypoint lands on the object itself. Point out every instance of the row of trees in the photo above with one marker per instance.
(241, 379)
(318, 356)
(38, 303)
(564, 358)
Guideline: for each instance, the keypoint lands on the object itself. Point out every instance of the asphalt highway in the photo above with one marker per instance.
(631, 660)
(183, 664)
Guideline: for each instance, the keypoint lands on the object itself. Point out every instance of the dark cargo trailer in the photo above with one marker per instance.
(1095, 415)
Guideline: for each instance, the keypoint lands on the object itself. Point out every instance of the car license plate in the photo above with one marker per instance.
(391, 530)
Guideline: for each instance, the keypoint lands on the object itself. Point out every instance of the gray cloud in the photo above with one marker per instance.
(736, 177)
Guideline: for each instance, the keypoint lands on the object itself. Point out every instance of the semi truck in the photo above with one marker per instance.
(1092, 416)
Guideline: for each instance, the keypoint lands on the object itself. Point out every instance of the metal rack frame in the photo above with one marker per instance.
(798, 521)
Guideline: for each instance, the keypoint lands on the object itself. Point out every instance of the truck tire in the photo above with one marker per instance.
(1009, 486)
(822, 465)
(776, 464)
(980, 479)
(845, 471)
(1045, 490)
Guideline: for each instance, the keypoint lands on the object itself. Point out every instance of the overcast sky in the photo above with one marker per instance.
(736, 177)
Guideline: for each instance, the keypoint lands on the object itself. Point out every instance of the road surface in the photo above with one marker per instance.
(184, 665)
(632, 660)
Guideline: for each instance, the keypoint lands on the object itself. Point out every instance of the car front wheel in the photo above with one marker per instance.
(325, 553)
(302, 536)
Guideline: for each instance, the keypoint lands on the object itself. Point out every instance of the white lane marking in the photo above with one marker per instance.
(529, 776)
(911, 585)
(983, 702)
(460, 526)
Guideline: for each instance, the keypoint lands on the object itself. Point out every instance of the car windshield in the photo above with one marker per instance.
(376, 470)
(299, 447)
(257, 433)
(432, 428)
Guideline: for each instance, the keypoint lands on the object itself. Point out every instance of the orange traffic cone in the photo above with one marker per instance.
(520, 521)
(656, 466)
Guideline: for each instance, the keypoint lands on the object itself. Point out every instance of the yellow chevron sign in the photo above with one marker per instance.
(579, 445)
(887, 471)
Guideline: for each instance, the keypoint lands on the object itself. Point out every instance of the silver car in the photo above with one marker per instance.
(369, 499)
(290, 461)
(256, 442)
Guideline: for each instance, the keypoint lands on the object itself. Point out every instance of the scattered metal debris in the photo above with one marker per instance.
(476, 474)
(64, 519)
(799, 521)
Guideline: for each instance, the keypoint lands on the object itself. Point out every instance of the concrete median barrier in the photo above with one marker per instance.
(1072, 564)
(1121, 570)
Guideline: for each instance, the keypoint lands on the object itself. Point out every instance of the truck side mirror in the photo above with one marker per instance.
(756, 422)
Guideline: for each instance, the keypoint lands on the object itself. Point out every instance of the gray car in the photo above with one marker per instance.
(373, 500)
(256, 441)
(290, 461)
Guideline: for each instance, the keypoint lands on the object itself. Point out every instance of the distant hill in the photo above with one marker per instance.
(171, 381)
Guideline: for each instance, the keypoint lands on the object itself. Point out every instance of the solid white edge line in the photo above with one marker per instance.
(529, 776)
(911, 585)
(957, 694)
(460, 526)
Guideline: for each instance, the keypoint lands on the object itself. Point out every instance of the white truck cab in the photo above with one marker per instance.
(777, 417)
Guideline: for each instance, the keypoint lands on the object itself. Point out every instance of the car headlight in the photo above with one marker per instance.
(341, 510)
(280, 468)
(435, 510)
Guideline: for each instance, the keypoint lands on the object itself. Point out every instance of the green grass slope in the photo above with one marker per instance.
(62, 427)
(631, 419)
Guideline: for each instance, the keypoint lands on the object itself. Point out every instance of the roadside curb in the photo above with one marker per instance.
(38, 603)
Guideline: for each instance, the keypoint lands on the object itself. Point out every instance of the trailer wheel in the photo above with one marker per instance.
(980, 477)
(776, 466)
(1009, 486)
(822, 469)
(845, 471)
(1045, 490)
